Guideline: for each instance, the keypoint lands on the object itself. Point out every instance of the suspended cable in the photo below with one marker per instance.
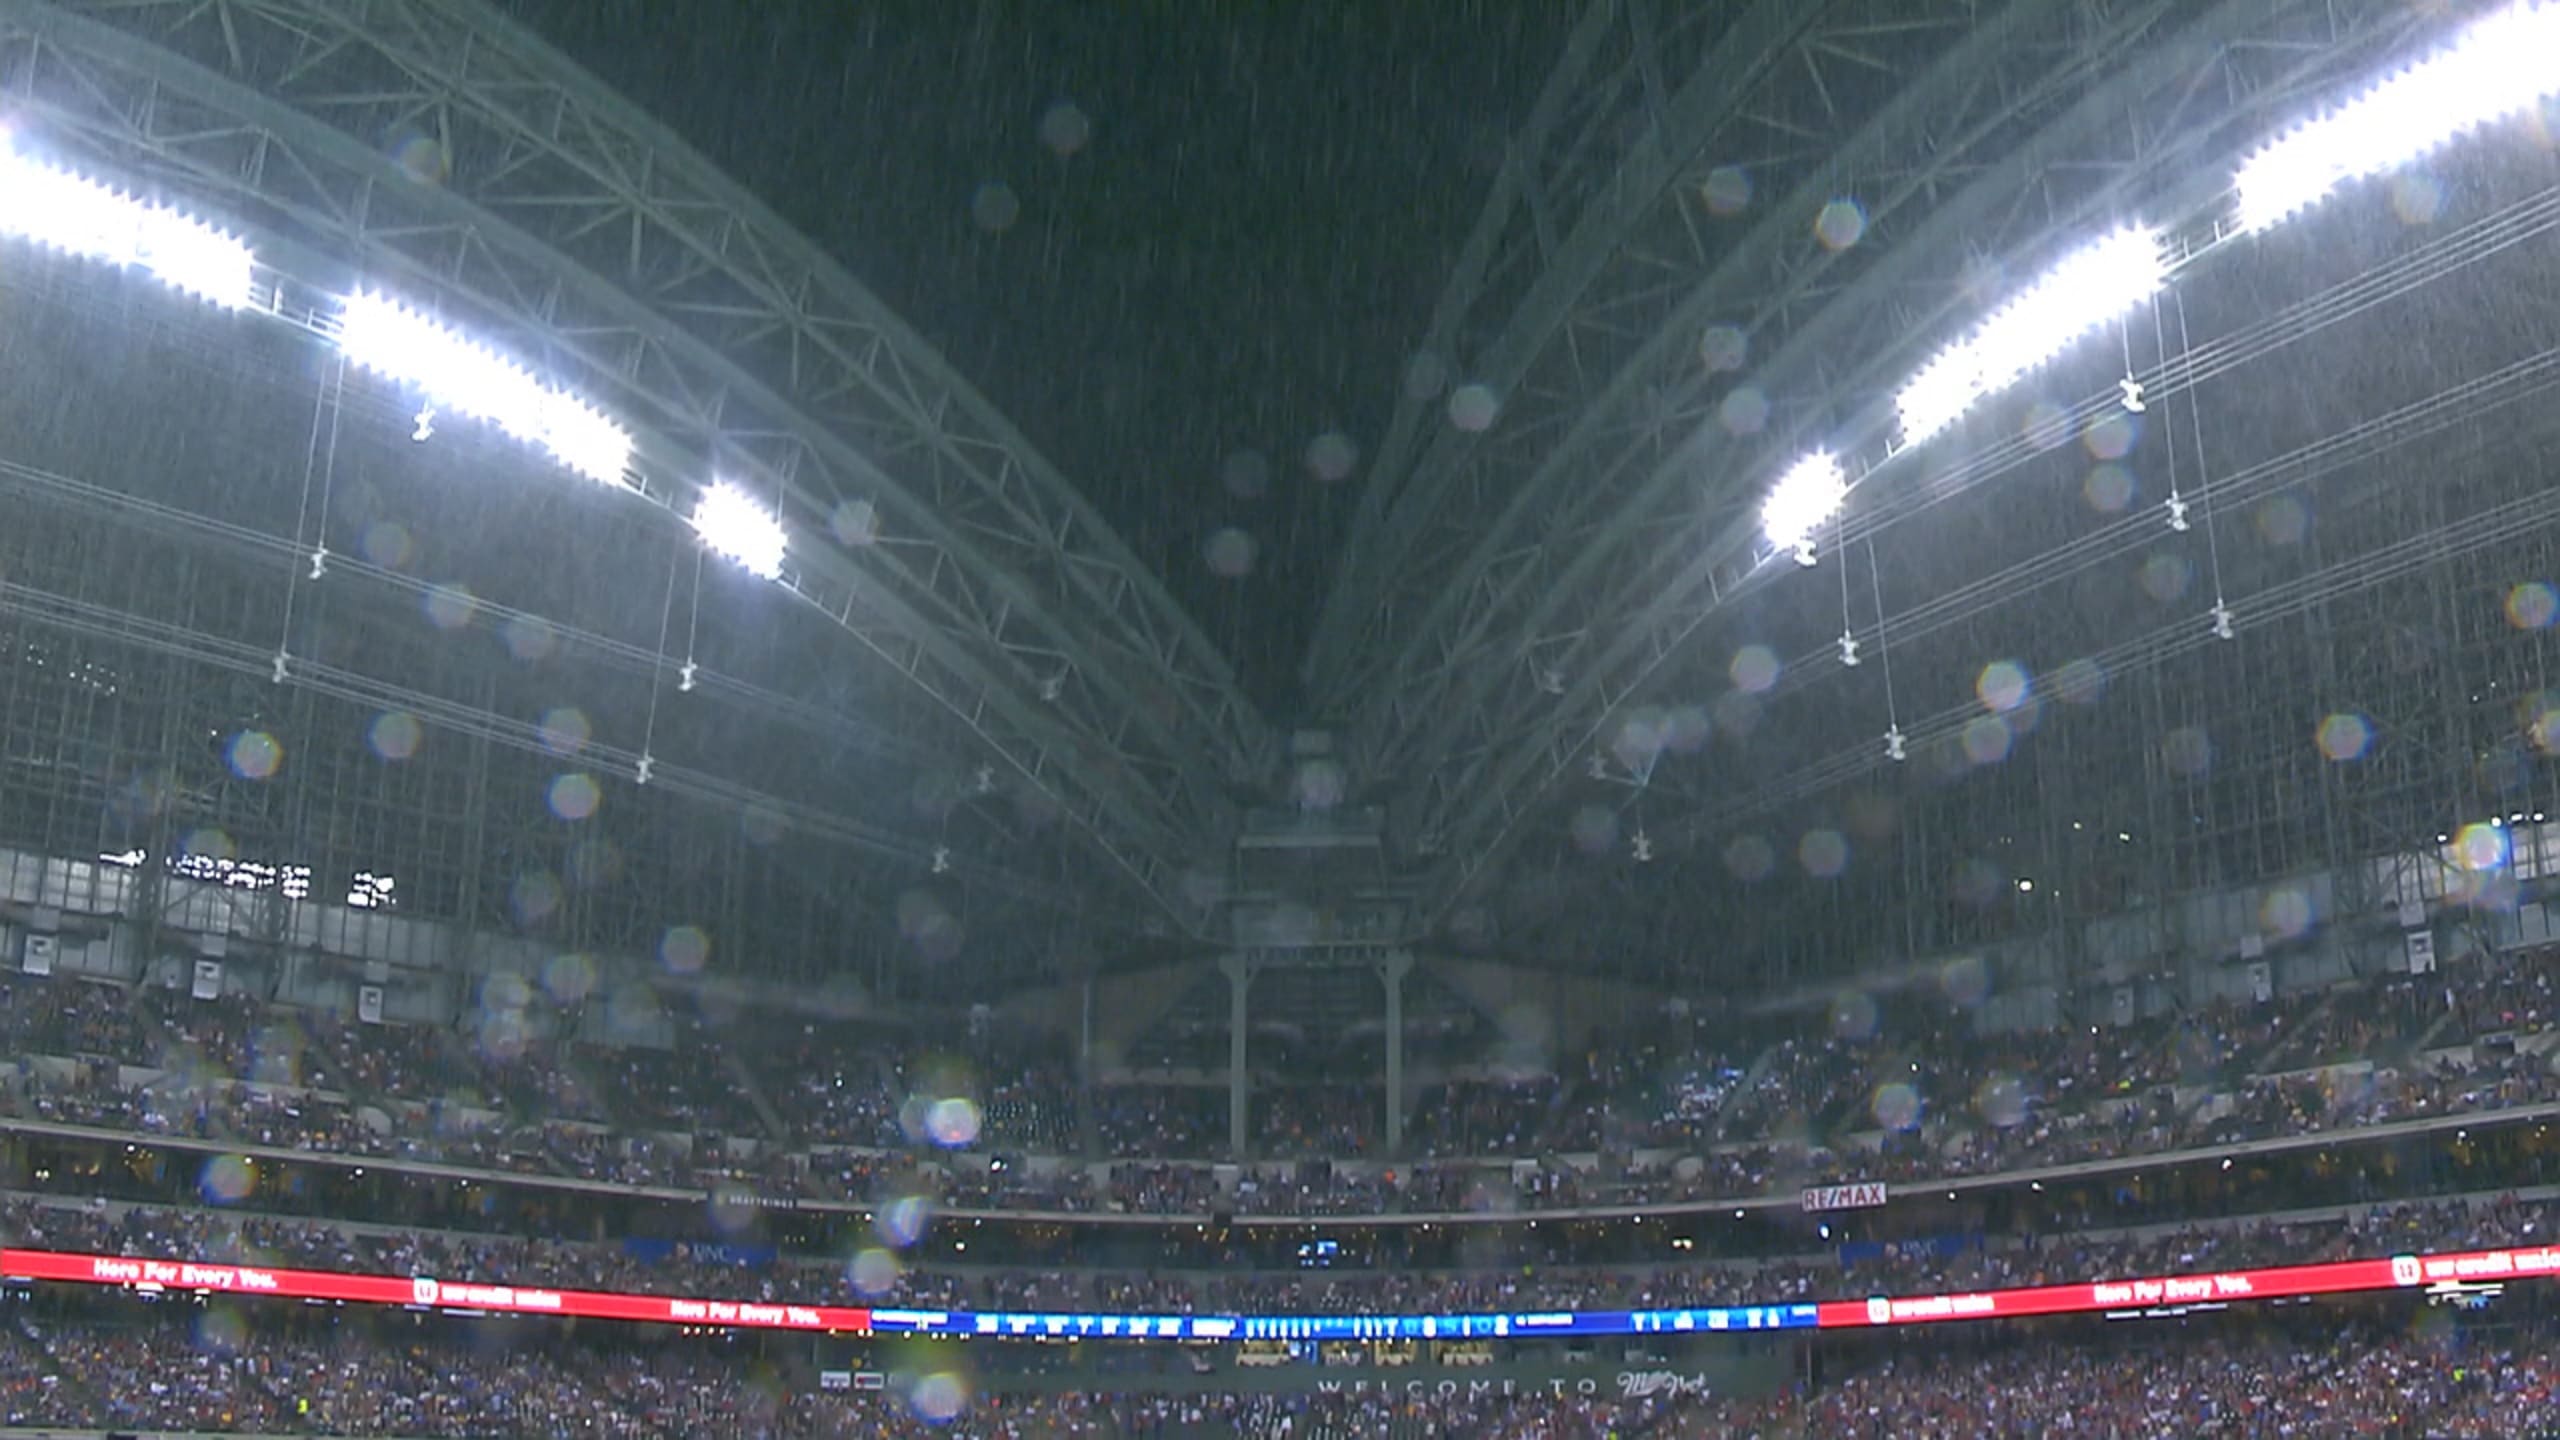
(2528, 219)
(2403, 556)
(320, 466)
(2204, 471)
(1896, 746)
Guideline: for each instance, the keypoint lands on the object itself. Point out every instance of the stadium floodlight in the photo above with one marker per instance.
(461, 375)
(2091, 286)
(731, 522)
(2501, 66)
(54, 208)
(1806, 496)
(1938, 396)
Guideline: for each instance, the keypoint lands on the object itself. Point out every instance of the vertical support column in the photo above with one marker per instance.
(150, 912)
(1393, 970)
(1084, 1035)
(475, 830)
(2055, 864)
(2158, 851)
(1088, 1123)
(464, 965)
(1239, 987)
(2351, 875)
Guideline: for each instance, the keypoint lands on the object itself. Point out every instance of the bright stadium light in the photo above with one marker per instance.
(59, 210)
(2093, 285)
(2501, 66)
(1938, 396)
(1806, 496)
(732, 523)
(468, 378)
(2088, 289)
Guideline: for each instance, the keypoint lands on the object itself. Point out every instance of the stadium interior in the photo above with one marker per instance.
(1872, 756)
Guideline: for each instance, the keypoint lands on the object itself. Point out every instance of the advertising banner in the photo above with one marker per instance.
(2402, 1272)
(2224, 1287)
(422, 1291)
(1844, 1197)
(1547, 1374)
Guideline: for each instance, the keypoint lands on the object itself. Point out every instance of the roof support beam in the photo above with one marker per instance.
(1607, 602)
(1545, 327)
(935, 541)
(1416, 412)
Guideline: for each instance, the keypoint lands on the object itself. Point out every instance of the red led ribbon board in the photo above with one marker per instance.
(2227, 1286)
(420, 1290)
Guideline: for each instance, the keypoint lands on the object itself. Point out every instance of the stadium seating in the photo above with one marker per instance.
(1908, 1099)
(210, 1373)
(156, 1064)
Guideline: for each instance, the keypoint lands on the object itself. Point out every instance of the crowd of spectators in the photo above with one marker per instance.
(173, 1373)
(163, 1375)
(1504, 1115)
(1677, 1112)
(1305, 1122)
(1165, 1122)
(2356, 1384)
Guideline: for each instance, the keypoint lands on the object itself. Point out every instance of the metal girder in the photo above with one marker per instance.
(121, 522)
(1507, 237)
(1557, 311)
(577, 231)
(2423, 552)
(1711, 557)
(2011, 68)
(1624, 561)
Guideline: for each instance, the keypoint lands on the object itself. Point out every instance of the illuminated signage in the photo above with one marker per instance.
(2403, 1272)
(1864, 1196)
(1007, 1324)
(2283, 1282)
(420, 1290)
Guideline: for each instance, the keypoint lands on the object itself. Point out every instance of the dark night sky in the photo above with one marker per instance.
(1239, 255)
